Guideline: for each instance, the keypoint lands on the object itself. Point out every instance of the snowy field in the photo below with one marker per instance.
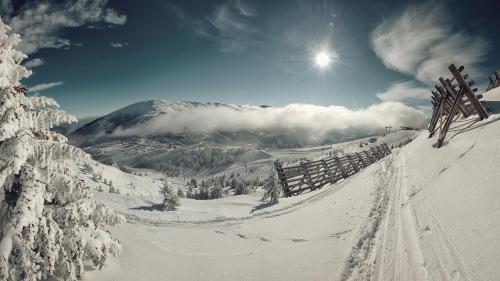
(419, 214)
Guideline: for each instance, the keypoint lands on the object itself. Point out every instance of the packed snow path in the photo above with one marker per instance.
(441, 220)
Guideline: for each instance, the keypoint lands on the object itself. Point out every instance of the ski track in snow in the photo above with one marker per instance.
(322, 193)
(403, 239)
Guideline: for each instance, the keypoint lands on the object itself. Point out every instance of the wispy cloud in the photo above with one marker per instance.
(315, 120)
(34, 63)
(113, 17)
(44, 86)
(229, 24)
(403, 91)
(421, 42)
(118, 44)
(460, 49)
(41, 23)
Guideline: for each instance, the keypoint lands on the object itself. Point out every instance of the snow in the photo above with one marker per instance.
(240, 238)
(450, 195)
(420, 214)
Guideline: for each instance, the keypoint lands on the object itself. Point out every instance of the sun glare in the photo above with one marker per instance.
(322, 59)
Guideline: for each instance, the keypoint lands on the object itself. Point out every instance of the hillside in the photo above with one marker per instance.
(420, 214)
(175, 137)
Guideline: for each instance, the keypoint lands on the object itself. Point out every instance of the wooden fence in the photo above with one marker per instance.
(315, 174)
(453, 99)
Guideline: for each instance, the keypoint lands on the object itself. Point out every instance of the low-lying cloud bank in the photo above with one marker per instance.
(312, 119)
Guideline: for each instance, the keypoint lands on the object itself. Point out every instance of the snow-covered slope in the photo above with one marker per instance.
(139, 113)
(420, 214)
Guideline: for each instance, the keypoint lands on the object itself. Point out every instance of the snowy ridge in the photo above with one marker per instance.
(141, 112)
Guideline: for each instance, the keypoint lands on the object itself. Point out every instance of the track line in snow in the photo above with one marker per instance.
(400, 256)
(413, 243)
(360, 261)
(321, 194)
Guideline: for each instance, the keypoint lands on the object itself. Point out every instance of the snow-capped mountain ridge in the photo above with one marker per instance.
(142, 112)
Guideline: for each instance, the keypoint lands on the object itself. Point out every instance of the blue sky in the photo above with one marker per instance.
(95, 56)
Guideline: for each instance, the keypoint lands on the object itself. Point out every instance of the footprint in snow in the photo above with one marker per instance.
(264, 239)
(299, 240)
(338, 234)
(220, 232)
(242, 236)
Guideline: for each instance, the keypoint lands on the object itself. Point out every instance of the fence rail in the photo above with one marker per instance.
(315, 174)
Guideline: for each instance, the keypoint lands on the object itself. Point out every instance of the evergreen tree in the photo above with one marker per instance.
(272, 190)
(49, 226)
(216, 192)
(170, 198)
(242, 187)
(189, 193)
(180, 193)
(204, 193)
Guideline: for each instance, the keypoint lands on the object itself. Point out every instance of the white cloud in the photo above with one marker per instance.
(34, 63)
(113, 17)
(41, 23)
(420, 42)
(404, 91)
(229, 24)
(459, 49)
(118, 44)
(312, 119)
(44, 86)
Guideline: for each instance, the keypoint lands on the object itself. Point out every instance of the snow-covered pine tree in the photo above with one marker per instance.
(171, 200)
(216, 192)
(189, 193)
(272, 190)
(180, 193)
(49, 226)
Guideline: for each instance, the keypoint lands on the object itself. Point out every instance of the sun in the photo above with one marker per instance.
(322, 59)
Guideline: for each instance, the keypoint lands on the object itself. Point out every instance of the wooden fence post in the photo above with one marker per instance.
(389, 151)
(453, 95)
(468, 92)
(369, 157)
(307, 176)
(281, 178)
(381, 151)
(341, 167)
(375, 153)
(361, 159)
(353, 164)
(327, 171)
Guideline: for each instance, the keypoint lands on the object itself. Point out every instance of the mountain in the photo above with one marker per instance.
(164, 121)
(139, 114)
(183, 137)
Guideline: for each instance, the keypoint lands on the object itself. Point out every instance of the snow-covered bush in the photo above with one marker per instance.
(272, 190)
(113, 189)
(49, 226)
(171, 199)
